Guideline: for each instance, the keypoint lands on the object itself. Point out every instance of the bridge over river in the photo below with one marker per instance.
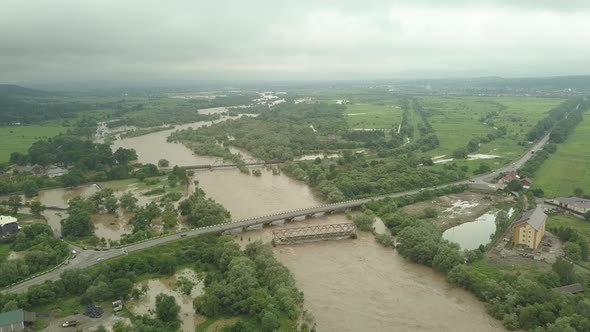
(87, 258)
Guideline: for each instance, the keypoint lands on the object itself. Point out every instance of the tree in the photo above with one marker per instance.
(166, 308)
(430, 212)
(578, 192)
(122, 287)
(110, 204)
(572, 250)
(364, 221)
(30, 188)
(269, 321)
(124, 156)
(565, 270)
(37, 208)
(447, 257)
(128, 202)
(483, 168)
(14, 202)
(587, 215)
(79, 223)
(163, 163)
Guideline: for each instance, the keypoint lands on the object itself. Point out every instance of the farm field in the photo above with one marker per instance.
(20, 138)
(372, 116)
(569, 167)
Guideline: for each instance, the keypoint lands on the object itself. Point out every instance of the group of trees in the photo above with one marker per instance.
(557, 114)
(526, 301)
(575, 245)
(354, 176)
(202, 211)
(280, 133)
(41, 251)
(474, 144)
(250, 283)
(86, 161)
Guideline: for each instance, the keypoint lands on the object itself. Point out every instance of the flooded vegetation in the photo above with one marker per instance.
(172, 286)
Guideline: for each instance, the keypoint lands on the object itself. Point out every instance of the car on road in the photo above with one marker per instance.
(99, 259)
(182, 235)
(69, 323)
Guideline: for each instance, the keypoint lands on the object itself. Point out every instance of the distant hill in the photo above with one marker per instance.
(15, 91)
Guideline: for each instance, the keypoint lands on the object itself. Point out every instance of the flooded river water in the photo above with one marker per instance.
(349, 285)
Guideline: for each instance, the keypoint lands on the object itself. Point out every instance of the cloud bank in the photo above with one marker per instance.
(65, 40)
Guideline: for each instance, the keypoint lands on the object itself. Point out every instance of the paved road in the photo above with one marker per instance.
(86, 258)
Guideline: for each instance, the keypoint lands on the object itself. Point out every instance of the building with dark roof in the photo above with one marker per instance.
(16, 320)
(530, 229)
(8, 225)
(575, 204)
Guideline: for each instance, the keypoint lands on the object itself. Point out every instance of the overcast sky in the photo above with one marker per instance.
(68, 40)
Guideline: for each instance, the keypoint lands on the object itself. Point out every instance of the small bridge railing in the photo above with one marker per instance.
(313, 233)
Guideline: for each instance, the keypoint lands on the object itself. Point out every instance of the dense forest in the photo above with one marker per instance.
(250, 284)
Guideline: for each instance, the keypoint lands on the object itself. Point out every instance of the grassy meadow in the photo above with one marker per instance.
(373, 116)
(569, 167)
(20, 138)
(456, 120)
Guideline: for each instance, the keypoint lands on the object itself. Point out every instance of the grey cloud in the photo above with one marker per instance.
(81, 40)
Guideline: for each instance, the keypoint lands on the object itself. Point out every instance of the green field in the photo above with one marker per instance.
(373, 116)
(20, 138)
(457, 120)
(569, 167)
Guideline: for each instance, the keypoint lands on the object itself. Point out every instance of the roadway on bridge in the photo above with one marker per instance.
(86, 258)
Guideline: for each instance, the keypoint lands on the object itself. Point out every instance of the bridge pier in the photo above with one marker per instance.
(254, 227)
(279, 222)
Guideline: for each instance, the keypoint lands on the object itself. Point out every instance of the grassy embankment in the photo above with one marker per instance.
(569, 167)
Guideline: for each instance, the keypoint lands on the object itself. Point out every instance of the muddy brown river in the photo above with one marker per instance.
(349, 285)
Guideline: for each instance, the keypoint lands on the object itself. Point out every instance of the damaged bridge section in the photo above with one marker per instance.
(314, 233)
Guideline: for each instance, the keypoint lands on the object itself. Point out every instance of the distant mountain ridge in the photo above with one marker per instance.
(12, 90)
